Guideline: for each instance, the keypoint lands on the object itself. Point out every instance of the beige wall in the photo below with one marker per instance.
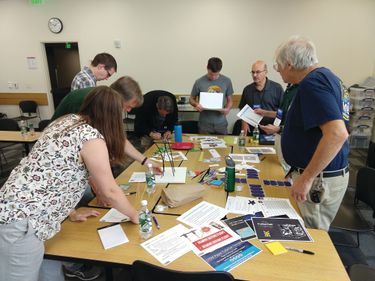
(166, 43)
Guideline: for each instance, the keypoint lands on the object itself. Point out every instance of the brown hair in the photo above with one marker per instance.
(128, 88)
(106, 59)
(165, 103)
(102, 109)
(214, 64)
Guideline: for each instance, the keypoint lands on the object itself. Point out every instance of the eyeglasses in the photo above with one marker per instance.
(108, 73)
(257, 72)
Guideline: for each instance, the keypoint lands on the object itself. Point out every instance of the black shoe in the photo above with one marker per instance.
(86, 272)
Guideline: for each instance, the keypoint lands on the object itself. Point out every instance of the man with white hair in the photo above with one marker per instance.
(314, 140)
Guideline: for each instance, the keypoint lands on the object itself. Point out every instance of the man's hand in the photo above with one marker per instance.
(155, 136)
(199, 107)
(301, 188)
(167, 135)
(260, 111)
(245, 127)
(82, 215)
(270, 129)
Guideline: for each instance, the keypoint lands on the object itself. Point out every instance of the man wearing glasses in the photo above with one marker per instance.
(262, 94)
(101, 68)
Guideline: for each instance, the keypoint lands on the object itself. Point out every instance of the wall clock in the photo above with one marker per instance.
(55, 25)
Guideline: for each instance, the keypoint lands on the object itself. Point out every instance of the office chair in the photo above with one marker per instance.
(43, 124)
(361, 272)
(6, 124)
(189, 126)
(365, 190)
(370, 161)
(143, 271)
(28, 110)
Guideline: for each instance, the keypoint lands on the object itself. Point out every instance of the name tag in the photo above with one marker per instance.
(279, 116)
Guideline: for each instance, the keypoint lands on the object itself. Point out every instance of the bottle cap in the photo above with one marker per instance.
(144, 203)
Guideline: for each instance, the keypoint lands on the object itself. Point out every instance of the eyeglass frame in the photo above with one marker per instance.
(108, 74)
(257, 72)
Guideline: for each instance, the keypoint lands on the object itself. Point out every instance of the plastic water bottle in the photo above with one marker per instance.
(145, 222)
(150, 180)
(23, 128)
(256, 135)
(242, 139)
(31, 129)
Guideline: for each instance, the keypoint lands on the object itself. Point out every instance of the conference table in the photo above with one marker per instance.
(81, 242)
(17, 137)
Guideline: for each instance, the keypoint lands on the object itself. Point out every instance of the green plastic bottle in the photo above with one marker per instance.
(229, 174)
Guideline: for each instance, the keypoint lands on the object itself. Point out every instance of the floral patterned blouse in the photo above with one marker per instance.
(47, 184)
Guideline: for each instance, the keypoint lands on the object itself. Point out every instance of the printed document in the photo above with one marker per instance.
(168, 246)
(248, 115)
(202, 213)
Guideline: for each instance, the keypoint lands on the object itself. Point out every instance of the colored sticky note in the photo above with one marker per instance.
(276, 248)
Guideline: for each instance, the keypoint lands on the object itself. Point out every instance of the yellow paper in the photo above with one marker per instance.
(201, 156)
(276, 248)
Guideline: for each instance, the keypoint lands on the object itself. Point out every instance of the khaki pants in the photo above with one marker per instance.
(279, 153)
(320, 215)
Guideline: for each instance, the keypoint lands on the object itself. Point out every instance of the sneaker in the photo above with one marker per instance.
(86, 272)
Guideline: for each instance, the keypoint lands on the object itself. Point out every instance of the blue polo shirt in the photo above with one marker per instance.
(317, 101)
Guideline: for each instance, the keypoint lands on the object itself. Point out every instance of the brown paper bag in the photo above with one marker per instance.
(182, 194)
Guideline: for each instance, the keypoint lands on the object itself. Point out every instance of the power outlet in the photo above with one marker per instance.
(10, 85)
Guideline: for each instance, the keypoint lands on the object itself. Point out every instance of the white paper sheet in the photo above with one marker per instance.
(202, 213)
(213, 144)
(211, 101)
(138, 177)
(114, 216)
(268, 206)
(112, 236)
(168, 246)
(168, 177)
(261, 150)
(248, 115)
(245, 158)
(203, 138)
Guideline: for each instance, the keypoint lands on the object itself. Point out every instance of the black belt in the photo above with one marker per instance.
(328, 174)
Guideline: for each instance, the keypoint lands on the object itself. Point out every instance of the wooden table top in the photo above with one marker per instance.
(16, 136)
(81, 240)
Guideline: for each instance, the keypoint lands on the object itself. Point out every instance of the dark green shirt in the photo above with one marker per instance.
(71, 103)
(288, 96)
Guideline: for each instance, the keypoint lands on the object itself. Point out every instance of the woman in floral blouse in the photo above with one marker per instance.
(47, 184)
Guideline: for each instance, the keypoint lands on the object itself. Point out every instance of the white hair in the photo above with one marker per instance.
(299, 52)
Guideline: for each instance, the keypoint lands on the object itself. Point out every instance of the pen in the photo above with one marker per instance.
(300, 251)
(130, 193)
(156, 222)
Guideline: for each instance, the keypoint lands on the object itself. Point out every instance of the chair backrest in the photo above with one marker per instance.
(143, 271)
(28, 106)
(42, 124)
(365, 190)
(237, 128)
(361, 272)
(7, 124)
(370, 162)
(189, 126)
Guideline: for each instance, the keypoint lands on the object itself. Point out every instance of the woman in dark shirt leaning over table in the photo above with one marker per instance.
(47, 184)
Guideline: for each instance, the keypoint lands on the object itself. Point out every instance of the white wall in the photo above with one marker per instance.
(166, 43)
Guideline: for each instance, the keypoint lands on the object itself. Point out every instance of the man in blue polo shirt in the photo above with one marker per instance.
(314, 140)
